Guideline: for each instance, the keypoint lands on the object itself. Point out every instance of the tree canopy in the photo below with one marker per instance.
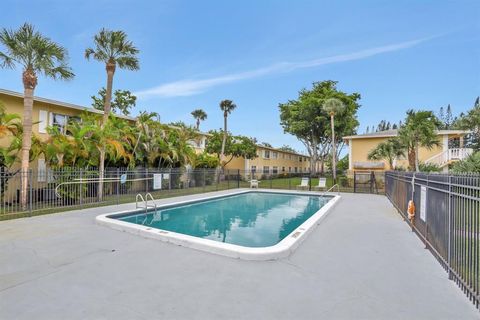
(306, 119)
(419, 130)
(287, 148)
(235, 146)
(388, 150)
(471, 121)
(123, 101)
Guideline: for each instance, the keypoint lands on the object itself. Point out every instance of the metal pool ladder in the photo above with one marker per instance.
(145, 203)
(334, 186)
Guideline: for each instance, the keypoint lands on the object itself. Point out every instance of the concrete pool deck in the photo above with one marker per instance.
(361, 262)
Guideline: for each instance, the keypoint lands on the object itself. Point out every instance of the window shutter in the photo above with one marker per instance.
(50, 119)
(42, 121)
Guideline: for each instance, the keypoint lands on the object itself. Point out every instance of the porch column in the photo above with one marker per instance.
(461, 141)
(445, 142)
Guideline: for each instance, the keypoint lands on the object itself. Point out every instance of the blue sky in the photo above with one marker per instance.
(396, 54)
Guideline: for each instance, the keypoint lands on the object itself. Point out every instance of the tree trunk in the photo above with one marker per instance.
(411, 159)
(107, 104)
(224, 141)
(417, 169)
(334, 165)
(29, 84)
(198, 124)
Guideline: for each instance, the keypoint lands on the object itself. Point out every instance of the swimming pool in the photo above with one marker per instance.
(245, 224)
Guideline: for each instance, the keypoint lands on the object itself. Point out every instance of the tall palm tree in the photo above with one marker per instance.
(199, 115)
(227, 106)
(419, 130)
(333, 106)
(111, 48)
(36, 54)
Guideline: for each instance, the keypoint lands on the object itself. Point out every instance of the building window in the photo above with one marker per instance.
(59, 121)
(266, 169)
(289, 169)
(296, 169)
(253, 169)
(275, 170)
(283, 169)
(300, 159)
(301, 169)
(266, 154)
(274, 155)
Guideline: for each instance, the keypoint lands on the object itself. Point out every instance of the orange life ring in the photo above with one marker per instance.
(411, 210)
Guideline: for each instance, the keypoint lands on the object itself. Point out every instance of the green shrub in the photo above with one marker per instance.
(470, 165)
(428, 167)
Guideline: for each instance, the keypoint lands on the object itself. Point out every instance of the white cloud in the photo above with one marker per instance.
(190, 87)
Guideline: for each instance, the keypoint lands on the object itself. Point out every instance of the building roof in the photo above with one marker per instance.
(394, 133)
(280, 150)
(61, 103)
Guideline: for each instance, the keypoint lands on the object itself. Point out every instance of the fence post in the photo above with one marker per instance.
(289, 183)
(118, 186)
(270, 176)
(146, 180)
(354, 182)
(238, 178)
(426, 216)
(81, 188)
(228, 179)
(29, 182)
(449, 212)
(170, 180)
(204, 178)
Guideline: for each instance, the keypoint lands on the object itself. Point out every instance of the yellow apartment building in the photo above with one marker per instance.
(272, 161)
(47, 112)
(449, 150)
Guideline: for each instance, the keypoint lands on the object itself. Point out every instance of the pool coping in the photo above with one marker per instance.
(280, 250)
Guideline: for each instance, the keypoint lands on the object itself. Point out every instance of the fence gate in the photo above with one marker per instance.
(364, 182)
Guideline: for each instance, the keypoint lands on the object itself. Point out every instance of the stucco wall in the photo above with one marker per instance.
(360, 148)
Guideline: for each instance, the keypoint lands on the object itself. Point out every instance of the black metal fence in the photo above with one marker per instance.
(55, 190)
(50, 190)
(447, 219)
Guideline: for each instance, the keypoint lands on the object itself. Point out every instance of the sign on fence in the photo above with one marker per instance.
(423, 203)
(157, 181)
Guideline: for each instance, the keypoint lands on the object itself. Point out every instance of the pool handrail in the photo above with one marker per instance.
(139, 195)
(331, 188)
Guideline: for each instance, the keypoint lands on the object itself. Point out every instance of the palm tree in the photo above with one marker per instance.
(36, 54)
(227, 106)
(199, 115)
(419, 130)
(112, 48)
(333, 106)
(388, 150)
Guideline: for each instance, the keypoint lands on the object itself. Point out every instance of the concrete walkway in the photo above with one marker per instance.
(361, 262)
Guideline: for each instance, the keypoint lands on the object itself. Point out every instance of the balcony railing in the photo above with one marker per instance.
(449, 155)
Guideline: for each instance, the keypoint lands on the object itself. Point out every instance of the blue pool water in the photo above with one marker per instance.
(252, 219)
